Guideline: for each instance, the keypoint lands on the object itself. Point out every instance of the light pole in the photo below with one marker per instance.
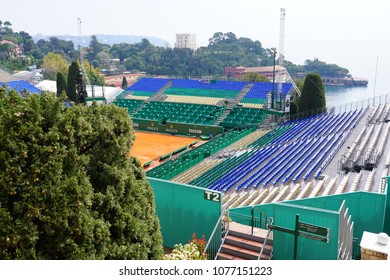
(273, 79)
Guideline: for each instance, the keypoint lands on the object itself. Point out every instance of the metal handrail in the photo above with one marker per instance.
(267, 219)
(225, 230)
(265, 242)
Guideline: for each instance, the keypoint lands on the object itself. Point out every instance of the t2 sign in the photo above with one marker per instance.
(213, 196)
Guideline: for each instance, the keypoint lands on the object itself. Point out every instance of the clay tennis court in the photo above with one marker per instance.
(150, 146)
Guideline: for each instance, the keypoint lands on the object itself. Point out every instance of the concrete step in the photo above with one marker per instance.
(234, 252)
(225, 256)
(243, 231)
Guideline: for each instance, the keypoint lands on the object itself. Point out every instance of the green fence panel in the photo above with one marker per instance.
(284, 216)
(369, 212)
(267, 209)
(184, 210)
(367, 209)
(177, 128)
(307, 249)
(386, 227)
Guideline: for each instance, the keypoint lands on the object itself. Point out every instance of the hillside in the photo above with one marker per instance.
(119, 53)
(104, 39)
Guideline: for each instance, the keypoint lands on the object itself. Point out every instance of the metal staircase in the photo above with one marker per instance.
(238, 241)
(231, 103)
(159, 96)
(240, 244)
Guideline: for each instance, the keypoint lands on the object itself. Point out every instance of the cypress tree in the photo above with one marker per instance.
(74, 71)
(313, 94)
(124, 83)
(293, 108)
(81, 91)
(61, 83)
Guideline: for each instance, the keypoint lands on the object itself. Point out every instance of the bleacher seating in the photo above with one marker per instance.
(179, 112)
(293, 192)
(341, 187)
(231, 199)
(329, 187)
(193, 99)
(239, 116)
(196, 171)
(212, 93)
(258, 93)
(317, 189)
(305, 190)
(148, 85)
(262, 194)
(130, 104)
(208, 85)
(20, 86)
(252, 195)
(370, 180)
(260, 169)
(294, 156)
(356, 181)
(170, 169)
(271, 195)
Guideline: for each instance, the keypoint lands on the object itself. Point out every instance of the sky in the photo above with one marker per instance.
(352, 34)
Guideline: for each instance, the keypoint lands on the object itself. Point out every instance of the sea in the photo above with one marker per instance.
(376, 71)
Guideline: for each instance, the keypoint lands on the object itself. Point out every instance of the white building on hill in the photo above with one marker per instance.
(186, 41)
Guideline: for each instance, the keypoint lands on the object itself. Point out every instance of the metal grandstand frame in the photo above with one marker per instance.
(366, 159)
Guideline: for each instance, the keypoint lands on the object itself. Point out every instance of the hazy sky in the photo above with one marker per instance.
(348, 33)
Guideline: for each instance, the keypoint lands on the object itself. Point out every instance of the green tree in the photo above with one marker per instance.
(312, 94)
(6, 51)
(124, 83)
(68, 189)
(81, 91)
(28, 42)
(7, 25)
(254, 77)
(324, 69)
(94, 48)
(52, 64)
(94, 74)
(71, 90)
(293, 108)
(61, 83)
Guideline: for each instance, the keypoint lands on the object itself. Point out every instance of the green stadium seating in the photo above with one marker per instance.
(171, 168)
(239, 116)
(213, 93)
(130, 104)
(180, 112)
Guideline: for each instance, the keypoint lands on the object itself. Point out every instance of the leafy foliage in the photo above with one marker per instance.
(194, 250)
(93, 74)
(224, 50)
(68, 189)
(254, 77)
(52, 64)
(324, 69)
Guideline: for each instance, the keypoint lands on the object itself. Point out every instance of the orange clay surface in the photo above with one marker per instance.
(150, 146)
